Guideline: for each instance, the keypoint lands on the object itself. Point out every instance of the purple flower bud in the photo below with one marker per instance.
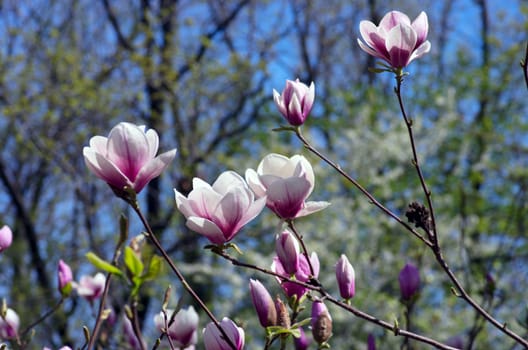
(371, 342)
(127, 157)
(303, 274)
(321, 322)
(302, 342)
(65, 277)
(295, 102)
(9, 324)
(214, 340)
(345, 276)
(287, 249)
(456, 342)
(6, 238)
(409, 281)
(263, 303)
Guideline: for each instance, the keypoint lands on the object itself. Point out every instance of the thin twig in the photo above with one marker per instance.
(303, 246)
(433, 230)
(354, 182)
(180, 276)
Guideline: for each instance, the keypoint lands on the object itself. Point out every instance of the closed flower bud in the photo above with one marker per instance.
(65, 277)
(283, 317)
(371, 342)
(263, 303)
(409, 281)
(183, 330)
(321, 322)
(6, 237)
(345, 276)
(287, 249)
(214, 340)
(302, 342)
(295, 102)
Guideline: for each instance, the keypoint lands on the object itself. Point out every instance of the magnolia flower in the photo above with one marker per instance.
(183, 330)
(286, 182)
(409, 279)
(219, 211)
(303, 274)
(263, 303)
(371, 342)
(65, 277)
(396, 40)
(214, 340)
(9, 325)
(321, 322)
(127, 157)
(90, 287)
(346, 278)
(288, 251)
(295, 102)
(6, 237)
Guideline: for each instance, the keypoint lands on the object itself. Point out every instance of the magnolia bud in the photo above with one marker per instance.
(371, 342)
(321, 322)
(409, 281)
(302, 342)
(6, 237)
(283, 317)
(345, 276)
(65, 278)
(287, 249)
(263, 303)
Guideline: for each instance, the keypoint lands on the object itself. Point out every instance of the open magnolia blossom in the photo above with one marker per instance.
(183, 330)
(221, 210)
(286, 182)
(127, 157)
(396, 40)
(90, 287)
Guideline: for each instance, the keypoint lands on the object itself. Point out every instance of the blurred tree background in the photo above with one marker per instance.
(201, 73)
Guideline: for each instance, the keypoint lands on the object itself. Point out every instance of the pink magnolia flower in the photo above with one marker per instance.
(6, 237)
(9, 325)
(396, 40)
(346, 277)
(214, 340)
(288, 251)
(127, 157)
(263, 303)
(286, 182)
(65, 277)
(90, 287)
(303, 274)
(221, 210)
(183, 331)
(409, 279)
(295, 102)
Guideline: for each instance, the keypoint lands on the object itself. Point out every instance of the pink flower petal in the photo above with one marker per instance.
(152, 169)
(207, 228)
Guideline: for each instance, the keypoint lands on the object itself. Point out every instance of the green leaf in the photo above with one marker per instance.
(154, 269)
(133, 262)
(102, 264)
